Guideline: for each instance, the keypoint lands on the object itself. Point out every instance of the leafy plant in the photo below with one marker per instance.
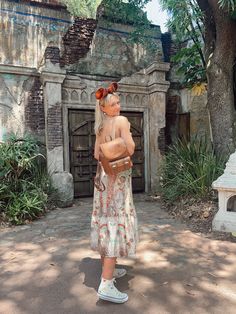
(82, 8)
(189, 66)
(229, 4)
(26, 205)
(25, 187)
(190, 168)
(186, 24)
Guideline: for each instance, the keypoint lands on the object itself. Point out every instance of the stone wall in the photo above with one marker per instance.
(34, 110)
(26, 30)
(77, 40)
(199, 115)
(111, 54)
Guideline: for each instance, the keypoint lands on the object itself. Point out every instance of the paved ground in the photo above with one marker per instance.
(47, 267)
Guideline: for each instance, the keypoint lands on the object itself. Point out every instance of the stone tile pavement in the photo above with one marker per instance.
(47, 267)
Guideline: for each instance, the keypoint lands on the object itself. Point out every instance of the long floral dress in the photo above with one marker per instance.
(114, 228)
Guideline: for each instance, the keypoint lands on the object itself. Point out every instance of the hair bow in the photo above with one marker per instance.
(103, 92)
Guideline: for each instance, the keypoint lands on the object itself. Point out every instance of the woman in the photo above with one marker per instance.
(114, 222)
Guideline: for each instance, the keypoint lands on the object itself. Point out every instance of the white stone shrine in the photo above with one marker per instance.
(225, 218)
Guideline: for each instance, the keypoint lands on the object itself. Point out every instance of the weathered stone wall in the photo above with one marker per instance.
(14, 90)
(112, 55)
(77, 40)
(27, 29)
(199, 115)
(34, 110)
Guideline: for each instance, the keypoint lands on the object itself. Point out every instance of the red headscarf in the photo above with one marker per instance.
(103, 92)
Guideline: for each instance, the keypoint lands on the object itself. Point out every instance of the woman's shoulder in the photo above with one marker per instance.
(122, 119)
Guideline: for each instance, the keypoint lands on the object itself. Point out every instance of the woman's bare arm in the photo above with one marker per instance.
(96, 148)
(126, 135)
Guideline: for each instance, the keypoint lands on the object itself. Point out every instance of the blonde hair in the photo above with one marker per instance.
(99, 114)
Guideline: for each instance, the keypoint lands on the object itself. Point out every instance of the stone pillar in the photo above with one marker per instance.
(157, 88)
(52, 77)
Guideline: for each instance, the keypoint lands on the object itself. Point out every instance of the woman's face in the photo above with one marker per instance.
(112, 108)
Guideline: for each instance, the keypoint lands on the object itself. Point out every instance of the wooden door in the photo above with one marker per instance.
(82, 139)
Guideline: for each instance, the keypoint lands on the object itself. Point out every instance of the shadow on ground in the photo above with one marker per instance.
(48, 267)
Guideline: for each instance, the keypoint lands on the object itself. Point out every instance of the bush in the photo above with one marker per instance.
(190, 168)
(25, 187)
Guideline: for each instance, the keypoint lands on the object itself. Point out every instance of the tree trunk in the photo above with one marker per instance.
(220, 49)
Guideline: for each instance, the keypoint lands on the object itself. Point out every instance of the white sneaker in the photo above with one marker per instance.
(107, 291)
(119, 272)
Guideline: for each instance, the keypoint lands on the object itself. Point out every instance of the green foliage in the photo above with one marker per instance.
(131, 12)
(25, 187)
(189, 66)
(186, 24)
(82, 8)
(189, 169)
(229, 4)
(25, 205)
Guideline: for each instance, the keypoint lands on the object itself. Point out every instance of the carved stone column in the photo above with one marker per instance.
(157, 88)
(52, 77)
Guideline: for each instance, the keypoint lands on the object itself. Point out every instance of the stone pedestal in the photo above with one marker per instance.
(52, 77)
(63, 182)
(225, 218)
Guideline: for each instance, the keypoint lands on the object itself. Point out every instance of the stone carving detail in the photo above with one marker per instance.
(144, 100)
(136, 100)
(65, 95)
(129, 100)
(122, 99)
(84, 97)
(92, 97)
(74, 95)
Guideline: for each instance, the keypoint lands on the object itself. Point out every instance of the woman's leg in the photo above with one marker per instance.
(108, 267)
(107, 290)
(102, 260)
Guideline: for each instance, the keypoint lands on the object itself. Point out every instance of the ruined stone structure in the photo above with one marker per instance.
(46, 91)
(186, 115)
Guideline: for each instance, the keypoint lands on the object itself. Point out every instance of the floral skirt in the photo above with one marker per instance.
(114, 229)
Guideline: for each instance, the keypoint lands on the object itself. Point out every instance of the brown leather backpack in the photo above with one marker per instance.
(114, 155)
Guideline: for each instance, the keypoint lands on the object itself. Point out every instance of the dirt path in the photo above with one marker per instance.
(47, 267)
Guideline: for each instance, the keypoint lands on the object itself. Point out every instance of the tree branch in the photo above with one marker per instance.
(194, 5)
(210, 27)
